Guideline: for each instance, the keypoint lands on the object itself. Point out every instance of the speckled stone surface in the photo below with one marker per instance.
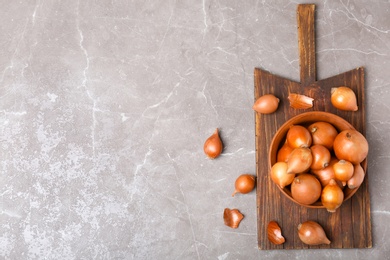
(105, 106)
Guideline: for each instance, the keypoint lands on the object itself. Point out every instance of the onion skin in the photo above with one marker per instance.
(343, 171)
(274, 233)
(350, 145)
(299, 160)
(321, 157)
(232, 217)
(245, 183)
(284, 152)
(280, 176)
(298, 101)
(357, 178)
(332, 196)
(343, 98)
(323, 133)
(266, 104)
(213, 145)
(298, 136)
(312, 233)
(306, 189)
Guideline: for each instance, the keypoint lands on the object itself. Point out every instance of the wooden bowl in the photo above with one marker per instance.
(305, 119)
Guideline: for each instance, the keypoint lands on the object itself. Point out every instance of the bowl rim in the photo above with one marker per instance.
(280, 134)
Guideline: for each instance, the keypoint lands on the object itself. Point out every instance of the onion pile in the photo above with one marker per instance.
(317, 162)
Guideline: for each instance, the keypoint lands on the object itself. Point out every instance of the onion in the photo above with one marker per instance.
(299, 160)
(266, 104)
(321, 157)
(343, 171)
(284, 152)
(332, 196)
(343, 98)
(357, 178)
(280, 176)
(323, 133)
(312, 233)
(326, 174)
(213, 145)
(298, 136)
(350, 145)
(306, 189)
(245, 183)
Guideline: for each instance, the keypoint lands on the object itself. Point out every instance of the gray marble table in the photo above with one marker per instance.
(105, 105)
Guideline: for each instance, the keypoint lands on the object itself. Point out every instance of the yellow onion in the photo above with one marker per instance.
(350, 145)
(357, 178)
(299, 160)
(343, 171)
(326, 174)
(245, 183)
(298, 136)
(321, 157)
(213, 145)
(266, 104)
(343, 98)
(323, 133)
(332, 196)
(312, 233)
(306, 189)
(284, 152)
(280, 176)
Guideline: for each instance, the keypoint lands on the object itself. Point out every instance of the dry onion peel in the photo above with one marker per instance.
(232, 217)
(274, 233)
(299, 101)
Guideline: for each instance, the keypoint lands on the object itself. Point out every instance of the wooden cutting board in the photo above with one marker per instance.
(350, 225)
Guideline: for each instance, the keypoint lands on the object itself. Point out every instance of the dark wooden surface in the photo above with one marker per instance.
(350, 226)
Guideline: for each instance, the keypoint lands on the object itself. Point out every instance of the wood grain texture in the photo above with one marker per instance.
(306, 43)
(350, 225)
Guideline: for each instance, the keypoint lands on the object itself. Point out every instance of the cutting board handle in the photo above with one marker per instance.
(306, 43)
